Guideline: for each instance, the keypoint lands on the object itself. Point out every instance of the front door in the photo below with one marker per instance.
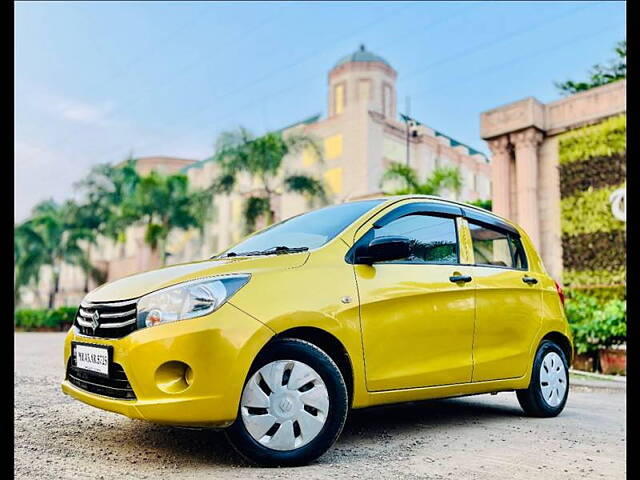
(417, 318)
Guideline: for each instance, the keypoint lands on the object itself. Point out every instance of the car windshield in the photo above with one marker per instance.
(303, 232)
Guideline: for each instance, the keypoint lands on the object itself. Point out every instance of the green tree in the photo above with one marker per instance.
(599, 74)
(440, 179)
(239, 153)
(57, 240)
(88, 220)
(163, 203)
(486, 204)
(106, 209)
(108, 190)
(29, 255)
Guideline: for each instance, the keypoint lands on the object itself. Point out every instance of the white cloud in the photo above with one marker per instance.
(74, 110)
(58, 139)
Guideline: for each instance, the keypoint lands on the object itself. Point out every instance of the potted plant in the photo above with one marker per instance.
(609, 327)
(599, 332)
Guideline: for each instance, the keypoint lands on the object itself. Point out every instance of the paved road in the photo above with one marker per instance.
(481, 437)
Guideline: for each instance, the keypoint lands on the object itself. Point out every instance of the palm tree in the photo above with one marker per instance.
(106, 210)
(109, 190)
(239, 152)
(164, 203)
(28, 258)
(58, 240)
(88, 218)
(441, 178)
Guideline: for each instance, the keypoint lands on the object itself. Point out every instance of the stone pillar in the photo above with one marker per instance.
(500, 182)
(526, 144)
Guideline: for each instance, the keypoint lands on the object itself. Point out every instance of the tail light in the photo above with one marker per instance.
(560, 292)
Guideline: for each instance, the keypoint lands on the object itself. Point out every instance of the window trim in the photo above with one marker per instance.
(489, 221)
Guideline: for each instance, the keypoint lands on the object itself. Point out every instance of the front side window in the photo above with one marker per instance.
(497, 248)
(433, 239)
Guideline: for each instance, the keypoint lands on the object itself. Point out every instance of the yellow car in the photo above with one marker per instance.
(365, 303)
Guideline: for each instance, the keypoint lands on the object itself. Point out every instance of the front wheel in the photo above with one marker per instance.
(549, 387)
(293, 406)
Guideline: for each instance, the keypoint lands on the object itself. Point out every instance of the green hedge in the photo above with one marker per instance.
(598, 172)
(30, 319)
(595, 251)
(601, 294)
(602, 140)
(584, 278)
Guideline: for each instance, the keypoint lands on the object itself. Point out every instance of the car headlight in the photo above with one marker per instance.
(188, 300)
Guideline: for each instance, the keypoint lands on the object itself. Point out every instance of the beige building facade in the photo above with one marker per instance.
(523, 139)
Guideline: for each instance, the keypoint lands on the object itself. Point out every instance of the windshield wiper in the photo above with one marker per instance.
(282, 249)
(279, 250)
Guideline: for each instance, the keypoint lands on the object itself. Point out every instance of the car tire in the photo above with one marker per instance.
(549, 386)
(311, 403)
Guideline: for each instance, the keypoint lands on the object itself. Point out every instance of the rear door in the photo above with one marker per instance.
(508, 301)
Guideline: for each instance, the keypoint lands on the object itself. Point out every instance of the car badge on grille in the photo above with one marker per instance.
(95, 323)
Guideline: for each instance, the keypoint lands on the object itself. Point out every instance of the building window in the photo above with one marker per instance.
(386, 101)
(333, 147)
(309, 157)
(338, 97)
(333, 178)
(364, 90)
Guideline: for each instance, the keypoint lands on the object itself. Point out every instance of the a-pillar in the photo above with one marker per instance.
(500, 181)
(526, 144)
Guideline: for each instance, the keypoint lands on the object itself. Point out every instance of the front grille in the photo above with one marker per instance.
(116, 386)
(114, 320)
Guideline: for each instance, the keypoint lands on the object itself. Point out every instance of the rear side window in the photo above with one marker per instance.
(496, 248)
(433, 239)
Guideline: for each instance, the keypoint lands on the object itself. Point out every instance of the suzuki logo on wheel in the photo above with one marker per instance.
(285, 405)
(95, 321)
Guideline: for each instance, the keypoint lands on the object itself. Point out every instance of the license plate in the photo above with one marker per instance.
(92, 358)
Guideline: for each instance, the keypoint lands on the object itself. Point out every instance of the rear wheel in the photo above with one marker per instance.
(293, 406)
(549, 387)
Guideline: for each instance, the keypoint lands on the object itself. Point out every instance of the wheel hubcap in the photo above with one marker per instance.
(284, 405)
(553, 379)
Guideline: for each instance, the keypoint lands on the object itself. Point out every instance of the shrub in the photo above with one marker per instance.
(595, 325)
(31, 319)
(60, 316)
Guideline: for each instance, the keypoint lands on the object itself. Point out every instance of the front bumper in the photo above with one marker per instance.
(218, 348)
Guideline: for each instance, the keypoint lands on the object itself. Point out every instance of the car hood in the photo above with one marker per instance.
(142, 283)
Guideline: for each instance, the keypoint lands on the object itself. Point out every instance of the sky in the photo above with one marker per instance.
(96, 82)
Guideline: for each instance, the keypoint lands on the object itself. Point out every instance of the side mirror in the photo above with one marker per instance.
(383, 249)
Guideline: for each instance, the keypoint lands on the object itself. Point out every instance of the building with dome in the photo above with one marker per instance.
(361, 135)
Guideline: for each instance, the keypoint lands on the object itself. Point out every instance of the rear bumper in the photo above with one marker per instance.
(218, 348)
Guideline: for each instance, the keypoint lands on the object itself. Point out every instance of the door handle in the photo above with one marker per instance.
(460, 278)
(529, 280)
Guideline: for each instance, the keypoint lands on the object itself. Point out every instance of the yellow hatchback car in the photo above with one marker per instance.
(365, 303)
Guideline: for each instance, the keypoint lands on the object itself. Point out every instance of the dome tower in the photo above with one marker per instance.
(363, 79)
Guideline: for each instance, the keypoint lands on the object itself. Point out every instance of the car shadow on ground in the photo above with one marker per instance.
(207, 447)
